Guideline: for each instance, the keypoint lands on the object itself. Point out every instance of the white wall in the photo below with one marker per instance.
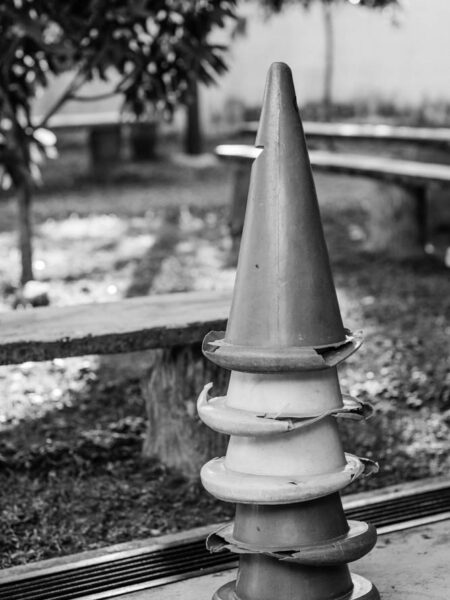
(408, 64)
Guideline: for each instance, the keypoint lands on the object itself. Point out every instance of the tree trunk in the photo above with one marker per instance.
(174, 431)
(193, 142)
(25, 231)
(397, 221)
(329, 60)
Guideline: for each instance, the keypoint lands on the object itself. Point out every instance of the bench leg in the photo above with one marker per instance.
(398, 221)
(439, 219)
(105, 146)
(421, 197)
(174, 432)
(241, 183)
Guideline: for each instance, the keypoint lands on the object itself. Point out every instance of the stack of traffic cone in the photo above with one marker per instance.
(285, 464)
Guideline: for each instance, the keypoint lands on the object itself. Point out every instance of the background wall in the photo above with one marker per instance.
(375, 59)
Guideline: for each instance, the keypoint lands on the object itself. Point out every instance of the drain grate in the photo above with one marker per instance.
(155, 567)
(403, 508)
(151, 569)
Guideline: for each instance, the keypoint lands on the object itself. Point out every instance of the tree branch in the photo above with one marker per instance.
(70, 94)
(73, 86)
(95, 97)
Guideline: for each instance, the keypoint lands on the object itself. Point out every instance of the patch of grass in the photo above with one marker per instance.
(82, 483)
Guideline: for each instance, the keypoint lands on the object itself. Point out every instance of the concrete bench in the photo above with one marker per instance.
(171, 326)
(403, 220)
(134, 324)
(106, 138)
(366, 131)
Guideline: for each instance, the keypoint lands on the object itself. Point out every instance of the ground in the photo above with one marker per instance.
(71, 471)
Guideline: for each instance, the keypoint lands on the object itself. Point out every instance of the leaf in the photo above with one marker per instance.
(44, 137)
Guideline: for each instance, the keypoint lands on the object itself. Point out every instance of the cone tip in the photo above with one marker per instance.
(279, 95)
(280, 76)
(279, 67)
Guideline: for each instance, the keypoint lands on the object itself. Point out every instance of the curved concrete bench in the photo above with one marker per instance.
(391, 169)
(412, 177)
(366, 131)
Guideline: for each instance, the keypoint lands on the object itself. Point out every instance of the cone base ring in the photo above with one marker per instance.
(363, 589)
(233, 486)
(219, 416)
(356, 543)
(252, 359)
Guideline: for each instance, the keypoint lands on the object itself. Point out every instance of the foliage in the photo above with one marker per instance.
(149, 48)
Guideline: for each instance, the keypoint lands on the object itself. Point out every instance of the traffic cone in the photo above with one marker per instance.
(285, 464)
(284, 302)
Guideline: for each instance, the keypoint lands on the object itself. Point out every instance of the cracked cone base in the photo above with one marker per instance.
(355, 544)
(298, 394)
(304, 452)
(283, 527)
(232, 486)
(362, 589)
(307, 533)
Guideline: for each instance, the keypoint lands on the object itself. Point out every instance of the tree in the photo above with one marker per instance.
(278, 5)
(146, 49)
